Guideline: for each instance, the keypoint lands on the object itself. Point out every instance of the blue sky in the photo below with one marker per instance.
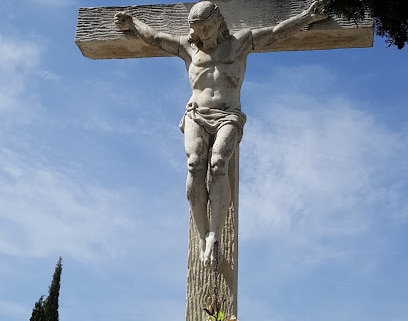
(92, 168)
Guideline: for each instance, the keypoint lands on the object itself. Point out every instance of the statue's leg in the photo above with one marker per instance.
(219, 186)
(196, 142)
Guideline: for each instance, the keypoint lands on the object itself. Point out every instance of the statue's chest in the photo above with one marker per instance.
(219, 56)
(206, 67)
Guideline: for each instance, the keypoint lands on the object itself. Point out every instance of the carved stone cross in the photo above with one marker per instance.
(99, 38)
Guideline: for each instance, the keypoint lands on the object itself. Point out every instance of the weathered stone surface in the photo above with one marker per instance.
(213, 122)
(200, 280)
(98, 37)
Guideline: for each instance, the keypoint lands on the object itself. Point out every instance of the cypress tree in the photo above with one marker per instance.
(51, 303)
(39, 311)
(47, 310)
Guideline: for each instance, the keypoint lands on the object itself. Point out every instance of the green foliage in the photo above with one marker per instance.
(51, 304)
(39, 311)
(47, 310)
(220, 316)
(214, 312)
(390, 16)
(217, 316)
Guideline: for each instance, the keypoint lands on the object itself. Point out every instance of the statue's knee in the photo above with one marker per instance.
(218, 165)
(196, 164)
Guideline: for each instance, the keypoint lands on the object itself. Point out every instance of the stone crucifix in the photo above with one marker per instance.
(214, 40)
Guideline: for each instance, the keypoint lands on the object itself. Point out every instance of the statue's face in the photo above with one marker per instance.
(207, 30)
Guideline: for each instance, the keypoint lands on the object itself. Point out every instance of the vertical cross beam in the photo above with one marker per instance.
(200, 279)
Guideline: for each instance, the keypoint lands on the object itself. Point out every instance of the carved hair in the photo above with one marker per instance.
(204, 11)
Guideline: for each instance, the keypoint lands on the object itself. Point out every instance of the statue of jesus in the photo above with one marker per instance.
(213, 121)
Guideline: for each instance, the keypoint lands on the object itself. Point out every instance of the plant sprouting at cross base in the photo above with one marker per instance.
(215, 314)
(214, 302)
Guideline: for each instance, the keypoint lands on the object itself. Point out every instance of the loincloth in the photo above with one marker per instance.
(211, 120)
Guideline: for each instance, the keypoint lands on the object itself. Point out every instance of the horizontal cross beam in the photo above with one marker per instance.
(98, 38)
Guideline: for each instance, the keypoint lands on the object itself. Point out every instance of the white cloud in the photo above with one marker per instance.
(318, 176)
(337, 157)
(17, 61)
(47, 209)
(17, 55)
(49, 212)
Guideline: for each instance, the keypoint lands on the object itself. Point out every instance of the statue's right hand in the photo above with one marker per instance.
(317, 10)
(123, 21)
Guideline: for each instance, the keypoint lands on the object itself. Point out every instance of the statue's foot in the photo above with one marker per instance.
(209, 255)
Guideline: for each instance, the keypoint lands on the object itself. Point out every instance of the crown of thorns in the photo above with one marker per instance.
(208, 12)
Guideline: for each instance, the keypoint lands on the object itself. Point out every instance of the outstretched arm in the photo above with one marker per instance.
(287, 28)
(165, 41)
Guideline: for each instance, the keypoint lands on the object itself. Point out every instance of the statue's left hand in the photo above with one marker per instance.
(317, 11)
(123, 21)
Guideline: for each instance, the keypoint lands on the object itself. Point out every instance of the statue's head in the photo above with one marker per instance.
(205, 12)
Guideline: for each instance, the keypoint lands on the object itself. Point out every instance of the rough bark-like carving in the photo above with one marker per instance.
(98, 38)
(200, 280)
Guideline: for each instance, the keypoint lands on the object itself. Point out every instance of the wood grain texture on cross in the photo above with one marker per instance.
(98, 38)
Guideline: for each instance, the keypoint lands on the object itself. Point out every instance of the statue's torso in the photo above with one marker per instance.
(216, 76)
